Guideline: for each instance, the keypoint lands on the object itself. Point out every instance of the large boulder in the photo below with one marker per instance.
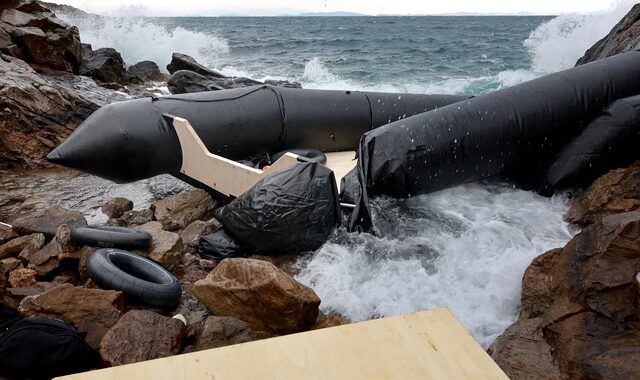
(91, 311)
(185, 81)
(625, 36)
(580, 311)
(184, 62)
(48, 221)
(260, 294)
(107, 65)
(142, 335)
(143, 72)
(615, 192)
(178, 211)
(166, 247)
(37, 36)
(225, 331)
(36, 114)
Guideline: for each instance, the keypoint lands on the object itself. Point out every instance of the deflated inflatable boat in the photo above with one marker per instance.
(543, 134)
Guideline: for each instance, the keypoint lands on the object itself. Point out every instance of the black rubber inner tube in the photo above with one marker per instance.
(139, 278)
(111, 237)
(312, 154)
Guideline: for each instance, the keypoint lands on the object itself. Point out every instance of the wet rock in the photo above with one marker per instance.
(166, 247)
(38, 37)
(282, 83)
(107, 65)
(41, 114)
(91, 311)
(236, 82)
(146, 335)
(260, 294)
(185, 81)
(116, 207)
(615, 192)
(6, 267)
(48, 220)
(24, 246)
(84, 254)
(143, 72)
(580, 307)
(625, 36)
(331, 320)
(6, 234)
(137, 217)
(180, 210)
(86, 68)
(184, 62)
(194, 231)
(20, 278)
(48, 258)
(225, 331)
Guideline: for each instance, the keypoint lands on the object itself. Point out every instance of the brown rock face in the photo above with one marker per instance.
(225, 331)
(48, 220)
(615, 192)
(260, 294)
(116, 207)
(6, 234)
(625, 36)
(36, 114)
(180, 210)
(142, 335)
(24, 246)
(91, 311)
(194, 231)
(580, 316)
(49, 257)
(37, 36)
(166, 247)
(6, 267)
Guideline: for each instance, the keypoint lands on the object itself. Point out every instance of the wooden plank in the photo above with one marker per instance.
(341, 163)
(219, 173)
(424, 345)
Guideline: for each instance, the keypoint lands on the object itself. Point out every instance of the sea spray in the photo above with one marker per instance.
(464, 248)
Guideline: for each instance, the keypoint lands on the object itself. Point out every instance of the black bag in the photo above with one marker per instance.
(41, 348)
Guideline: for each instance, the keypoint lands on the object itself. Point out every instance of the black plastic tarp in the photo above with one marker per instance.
(516, 131)
(293, 210)
(609, 141)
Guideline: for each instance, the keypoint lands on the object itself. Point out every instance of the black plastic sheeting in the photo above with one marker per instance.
(610, 141)
(130, 140)
(219, 246)
(293, 210)
(516, 132)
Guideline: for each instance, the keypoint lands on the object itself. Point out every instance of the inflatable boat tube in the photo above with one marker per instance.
(139, 278)
(130, 140)
(516, 132)
(111, 237)
(610, 141)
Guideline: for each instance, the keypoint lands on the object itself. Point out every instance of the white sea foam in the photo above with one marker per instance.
(465, 248)
(558, 43)
(139, 39)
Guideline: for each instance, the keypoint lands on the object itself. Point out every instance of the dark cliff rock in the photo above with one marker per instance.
(625, 36)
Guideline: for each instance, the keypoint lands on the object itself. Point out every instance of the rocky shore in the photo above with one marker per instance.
(580, 313)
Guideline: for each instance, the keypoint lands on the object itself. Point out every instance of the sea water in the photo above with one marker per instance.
(464, 248)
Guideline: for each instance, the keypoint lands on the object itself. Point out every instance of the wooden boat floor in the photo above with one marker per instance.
(424, 345)
(341, 163)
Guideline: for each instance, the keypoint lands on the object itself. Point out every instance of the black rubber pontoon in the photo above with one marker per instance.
(516, 132)
(130, 140)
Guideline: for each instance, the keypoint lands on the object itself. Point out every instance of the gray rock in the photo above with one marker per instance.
(184, 62)
(145, 71)
(108, 65)
(185, 81)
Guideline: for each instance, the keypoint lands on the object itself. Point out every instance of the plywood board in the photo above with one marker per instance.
(424, 345)
(341, 163)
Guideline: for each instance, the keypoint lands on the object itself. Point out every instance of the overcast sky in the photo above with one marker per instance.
(370, 7)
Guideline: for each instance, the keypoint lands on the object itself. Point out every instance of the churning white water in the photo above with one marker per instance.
(465, 248)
